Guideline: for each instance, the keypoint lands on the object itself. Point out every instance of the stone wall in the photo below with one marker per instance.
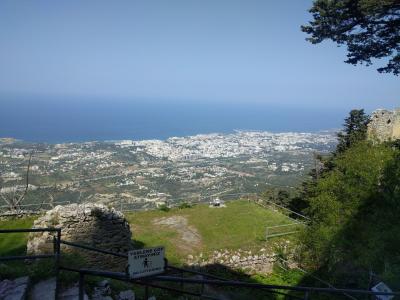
(251, 262)
(90, 224)
(384, 125)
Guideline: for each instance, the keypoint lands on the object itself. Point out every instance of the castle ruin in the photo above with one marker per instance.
(384, 125)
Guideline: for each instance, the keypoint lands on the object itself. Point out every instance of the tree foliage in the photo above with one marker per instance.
(354, 210)
(355, 130)
(277, 196)
(354, 207)
(369, 28)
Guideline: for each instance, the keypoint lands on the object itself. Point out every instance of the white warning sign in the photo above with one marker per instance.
(381, 287)
(146, 262)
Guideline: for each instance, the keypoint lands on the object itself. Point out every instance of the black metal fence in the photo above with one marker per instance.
(56, 249)
(171, 274)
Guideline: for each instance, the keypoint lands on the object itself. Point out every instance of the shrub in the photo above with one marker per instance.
(184, 205)
(164, 207)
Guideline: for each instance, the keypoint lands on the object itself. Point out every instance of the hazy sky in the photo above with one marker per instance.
(204, 50)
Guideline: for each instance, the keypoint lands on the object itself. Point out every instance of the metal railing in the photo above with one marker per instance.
(124, 205)
(154, 281)
(281, 208)
(56, 249)
(127, 206)
(275, 289)
(124, 277)
(276, 230)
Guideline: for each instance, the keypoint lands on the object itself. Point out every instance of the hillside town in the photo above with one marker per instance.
(144, 174)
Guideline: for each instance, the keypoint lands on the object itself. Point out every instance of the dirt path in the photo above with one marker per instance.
(189, 237)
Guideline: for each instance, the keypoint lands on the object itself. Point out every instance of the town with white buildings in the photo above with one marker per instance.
(143, 174)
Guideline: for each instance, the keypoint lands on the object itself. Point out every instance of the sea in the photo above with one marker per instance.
(66, 120)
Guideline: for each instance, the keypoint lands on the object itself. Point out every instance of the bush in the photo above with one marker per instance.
(164, 207)
(184, 205)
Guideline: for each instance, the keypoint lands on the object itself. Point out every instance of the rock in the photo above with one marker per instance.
(90, 224)
(102, 291)
(72, 294)
(14, 289)
(126, 295)
(104, 283)
(152, 298)
(44, 290)
(99, 297)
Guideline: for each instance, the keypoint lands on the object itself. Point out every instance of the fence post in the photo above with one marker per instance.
(306, 294)
(56, 245)
(146, 292)
(202, 286)
(81, 285)
(182, 281)
(58, 259)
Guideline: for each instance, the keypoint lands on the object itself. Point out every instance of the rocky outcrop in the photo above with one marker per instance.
(384, 125)
(90, 224)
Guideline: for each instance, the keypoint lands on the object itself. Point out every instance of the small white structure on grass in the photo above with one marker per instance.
(217, 203)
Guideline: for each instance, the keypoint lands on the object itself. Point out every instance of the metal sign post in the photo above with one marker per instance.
(146, 262)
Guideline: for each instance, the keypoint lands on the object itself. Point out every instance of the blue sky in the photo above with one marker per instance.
(204, 51)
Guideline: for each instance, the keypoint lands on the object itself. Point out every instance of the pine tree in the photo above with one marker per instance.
(355, 130)
(369, 29)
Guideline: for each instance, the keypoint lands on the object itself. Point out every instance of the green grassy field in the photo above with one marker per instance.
(195, 230)
(201, 229)
(14, 243)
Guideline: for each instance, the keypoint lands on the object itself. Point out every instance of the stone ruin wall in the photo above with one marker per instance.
(247, 261)
(384, 125)
(89, 224)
